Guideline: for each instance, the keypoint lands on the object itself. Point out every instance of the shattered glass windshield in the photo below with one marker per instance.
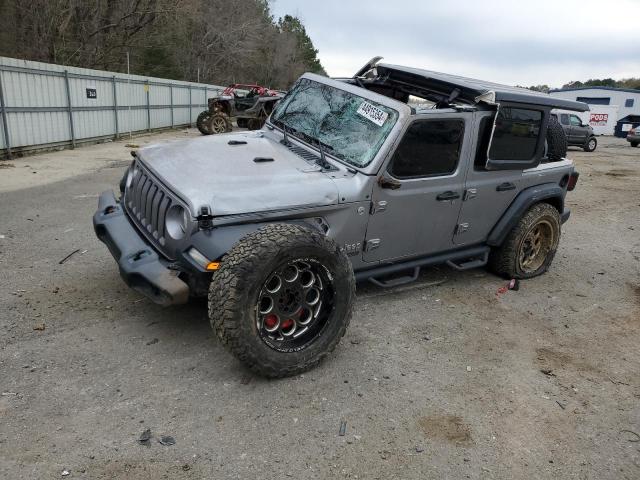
(347, 126)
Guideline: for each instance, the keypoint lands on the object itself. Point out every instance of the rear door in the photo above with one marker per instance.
(416, 201)
(514, 146)
(566, 125)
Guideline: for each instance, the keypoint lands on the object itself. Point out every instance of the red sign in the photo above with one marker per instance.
(599, 119)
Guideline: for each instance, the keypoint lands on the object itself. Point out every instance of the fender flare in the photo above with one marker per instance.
(215, 243)
(550, 192)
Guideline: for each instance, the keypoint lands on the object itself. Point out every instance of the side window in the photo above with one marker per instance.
(428, 148)
(516, 133)
(484, 136)
(628, 103)
(575, 121)
(564, 119)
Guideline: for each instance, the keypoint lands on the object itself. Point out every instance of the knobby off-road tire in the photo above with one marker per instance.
(591, 144)
(219, 123)
(202, 122)
(252, 299)
(538, 230)
(556, 140)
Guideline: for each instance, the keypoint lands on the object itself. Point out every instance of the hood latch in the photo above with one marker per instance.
(205, 218)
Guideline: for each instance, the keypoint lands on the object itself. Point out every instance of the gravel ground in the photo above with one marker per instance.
(442, 378)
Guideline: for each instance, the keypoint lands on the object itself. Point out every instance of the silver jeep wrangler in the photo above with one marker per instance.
(364, 178)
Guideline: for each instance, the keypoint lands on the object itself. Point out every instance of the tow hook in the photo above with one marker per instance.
(205, 218)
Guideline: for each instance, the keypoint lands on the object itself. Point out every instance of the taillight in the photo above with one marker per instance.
(573, 179)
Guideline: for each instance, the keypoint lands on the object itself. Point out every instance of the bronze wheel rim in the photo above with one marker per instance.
(536, 245)
(218, 125)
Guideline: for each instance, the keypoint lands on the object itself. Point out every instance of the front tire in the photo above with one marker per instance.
(282, 299)
(202, 122)
(530, 247)
(219, 123)
(634, 144)
(591, 144)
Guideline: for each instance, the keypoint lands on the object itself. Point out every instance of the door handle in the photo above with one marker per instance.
(447, 196)
(390, 183)
(503, 187)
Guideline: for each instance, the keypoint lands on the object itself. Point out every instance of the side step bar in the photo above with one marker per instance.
(460, 260)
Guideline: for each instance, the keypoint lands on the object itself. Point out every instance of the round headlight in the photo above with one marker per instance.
(177, 222)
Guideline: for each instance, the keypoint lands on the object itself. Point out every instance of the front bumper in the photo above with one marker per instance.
(140, 266)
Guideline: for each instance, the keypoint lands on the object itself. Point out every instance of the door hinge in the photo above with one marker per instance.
(371, 244)
(470, 193)
(462, 228)
(376, 207)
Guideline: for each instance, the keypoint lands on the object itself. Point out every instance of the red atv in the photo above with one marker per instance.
(250, 105)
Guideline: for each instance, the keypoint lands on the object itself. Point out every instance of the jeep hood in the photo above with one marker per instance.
(212, 171)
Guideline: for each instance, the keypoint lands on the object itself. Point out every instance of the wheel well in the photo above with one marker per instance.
(555, 202)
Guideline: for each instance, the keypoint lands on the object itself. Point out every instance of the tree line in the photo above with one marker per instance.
(632, 83)
(217, 41)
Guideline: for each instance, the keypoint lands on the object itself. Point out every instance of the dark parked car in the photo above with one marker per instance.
(633, 137)
(578, 134)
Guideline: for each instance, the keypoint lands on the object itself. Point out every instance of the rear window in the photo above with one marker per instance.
(516, 133)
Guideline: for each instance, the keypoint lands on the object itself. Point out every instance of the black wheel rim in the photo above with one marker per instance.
(294, 305)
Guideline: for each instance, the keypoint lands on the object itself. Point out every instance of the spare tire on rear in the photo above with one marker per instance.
(556, 141)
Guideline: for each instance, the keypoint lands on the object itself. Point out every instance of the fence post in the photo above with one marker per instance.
(5, 125)
(73, 133)
(146, 84)
(190, 107)
(115, 106)
(171, 95)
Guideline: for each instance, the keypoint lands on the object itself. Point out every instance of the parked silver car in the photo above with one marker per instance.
(346, 182)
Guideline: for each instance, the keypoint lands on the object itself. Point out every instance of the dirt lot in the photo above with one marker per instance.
(438, 379)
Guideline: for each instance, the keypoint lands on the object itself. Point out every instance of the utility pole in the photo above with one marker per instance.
(129, 93)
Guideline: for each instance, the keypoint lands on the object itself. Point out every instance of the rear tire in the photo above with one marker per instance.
(259, 298)
(634, 144)
(556, 140)
(591, 144)
(530, 247)
(202, 122)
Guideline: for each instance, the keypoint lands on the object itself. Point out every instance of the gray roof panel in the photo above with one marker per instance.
(472, 90)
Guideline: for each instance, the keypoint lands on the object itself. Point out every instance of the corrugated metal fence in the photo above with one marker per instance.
(44, 105)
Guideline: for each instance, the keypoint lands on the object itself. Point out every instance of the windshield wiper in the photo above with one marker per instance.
(322, 161)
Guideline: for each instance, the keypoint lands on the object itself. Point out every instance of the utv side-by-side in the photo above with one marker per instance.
(365, 178)
(249, 105)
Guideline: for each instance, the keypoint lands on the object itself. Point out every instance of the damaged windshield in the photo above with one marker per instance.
(347, 126)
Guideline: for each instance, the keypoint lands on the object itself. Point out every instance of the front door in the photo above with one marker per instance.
(417, 198)
(579, 132)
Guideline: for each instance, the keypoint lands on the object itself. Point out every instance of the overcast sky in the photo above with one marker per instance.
(513, 42)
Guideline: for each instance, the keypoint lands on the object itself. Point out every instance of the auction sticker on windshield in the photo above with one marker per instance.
(372, 113)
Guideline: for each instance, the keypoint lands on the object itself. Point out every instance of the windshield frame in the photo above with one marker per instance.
(403, 112)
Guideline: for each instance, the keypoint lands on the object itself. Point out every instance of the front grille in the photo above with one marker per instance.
(148, 203)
